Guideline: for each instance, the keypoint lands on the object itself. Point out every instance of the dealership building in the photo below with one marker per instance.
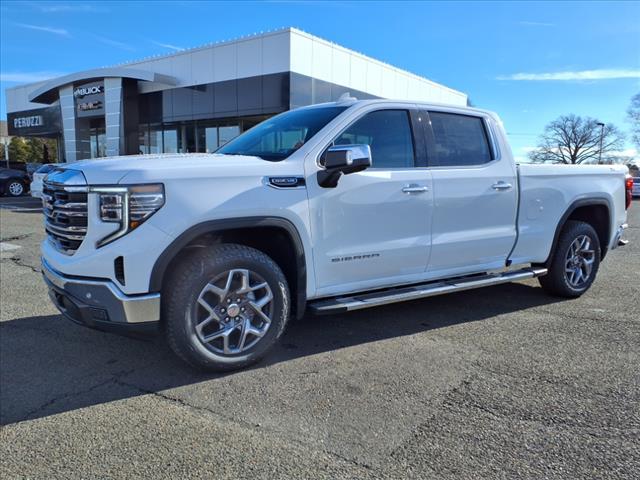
(198, 99)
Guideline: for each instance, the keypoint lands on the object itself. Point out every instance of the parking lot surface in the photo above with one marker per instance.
(504, 382)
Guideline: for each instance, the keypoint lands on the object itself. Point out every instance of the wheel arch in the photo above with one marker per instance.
(275, 236)
(595, 211)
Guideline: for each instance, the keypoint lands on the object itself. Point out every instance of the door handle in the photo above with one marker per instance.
(501, 186)
(414, 188)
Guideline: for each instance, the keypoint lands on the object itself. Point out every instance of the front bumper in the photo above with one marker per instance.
(100, 304)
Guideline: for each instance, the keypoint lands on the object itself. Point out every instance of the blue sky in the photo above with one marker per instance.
(528, 61)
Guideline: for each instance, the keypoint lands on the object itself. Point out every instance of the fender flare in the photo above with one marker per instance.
(214, 226)
(583, 202)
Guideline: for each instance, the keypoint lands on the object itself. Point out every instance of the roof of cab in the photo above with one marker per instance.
(353, 102)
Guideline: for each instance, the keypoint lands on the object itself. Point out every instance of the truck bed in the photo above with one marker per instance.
(547, 190)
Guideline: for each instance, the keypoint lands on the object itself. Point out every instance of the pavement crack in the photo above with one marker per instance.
(65, 396)
(15, 237)
(248, 425)
(18, 262)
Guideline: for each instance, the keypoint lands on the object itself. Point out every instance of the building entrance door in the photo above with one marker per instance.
(98, 138)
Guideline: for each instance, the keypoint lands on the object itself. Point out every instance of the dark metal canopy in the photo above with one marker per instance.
(48, 92)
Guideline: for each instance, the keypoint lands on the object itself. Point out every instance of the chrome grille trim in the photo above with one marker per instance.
(65, 211)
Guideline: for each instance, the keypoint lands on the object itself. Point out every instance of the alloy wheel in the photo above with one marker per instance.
(16, 189)
(579, 262)
(233, 311)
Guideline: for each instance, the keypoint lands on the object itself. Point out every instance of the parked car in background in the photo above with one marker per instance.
(636, 187)
(13, 183)
(38, 177)
(28, 168)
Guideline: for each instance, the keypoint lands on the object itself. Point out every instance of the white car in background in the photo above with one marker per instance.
(38, 177)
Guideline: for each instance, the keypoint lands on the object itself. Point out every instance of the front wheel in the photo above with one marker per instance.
(15, 188)
(575, 261)
(225, 307)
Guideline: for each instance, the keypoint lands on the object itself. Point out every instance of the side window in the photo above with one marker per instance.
(460, 140)
(388, 133)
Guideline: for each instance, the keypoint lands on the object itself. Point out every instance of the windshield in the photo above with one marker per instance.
(277, 138)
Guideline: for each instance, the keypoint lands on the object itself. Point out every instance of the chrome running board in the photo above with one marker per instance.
(423, 290)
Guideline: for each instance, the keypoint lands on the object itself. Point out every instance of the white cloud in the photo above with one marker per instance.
(56, 31)
(114, 43)
(602, 74)
(49, 8)
(167, 45)
(629, 152)
(28, 77)
(536, 24)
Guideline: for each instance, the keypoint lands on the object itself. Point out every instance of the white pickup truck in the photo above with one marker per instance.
(329, 208)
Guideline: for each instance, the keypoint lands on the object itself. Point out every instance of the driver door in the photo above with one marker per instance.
(373, 228)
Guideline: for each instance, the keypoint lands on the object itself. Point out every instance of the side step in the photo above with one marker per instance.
(423, 290)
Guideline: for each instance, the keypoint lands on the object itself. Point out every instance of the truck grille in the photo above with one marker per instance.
(65, 215)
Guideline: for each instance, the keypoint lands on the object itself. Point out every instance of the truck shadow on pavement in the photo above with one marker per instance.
(49, 365)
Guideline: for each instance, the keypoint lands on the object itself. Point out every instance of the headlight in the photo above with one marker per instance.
(128, 206)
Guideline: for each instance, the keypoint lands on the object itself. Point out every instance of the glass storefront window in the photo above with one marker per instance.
(211, 139)
(170, 138)
(226, 134)
(98, 140)
(155, 139)
(143, 140)
(185, 138)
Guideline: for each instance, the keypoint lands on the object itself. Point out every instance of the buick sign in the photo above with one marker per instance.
(82, 91)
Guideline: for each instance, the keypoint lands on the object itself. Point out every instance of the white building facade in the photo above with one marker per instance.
(198, 99)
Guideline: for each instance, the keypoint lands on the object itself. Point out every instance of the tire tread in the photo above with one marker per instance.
(554, 282)
(178, 286)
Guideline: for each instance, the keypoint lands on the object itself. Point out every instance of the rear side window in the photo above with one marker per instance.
(460, 140)
(388, 133)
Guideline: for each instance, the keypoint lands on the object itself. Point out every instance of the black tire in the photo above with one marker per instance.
(15, 188)
(182, 309)
(558, 281)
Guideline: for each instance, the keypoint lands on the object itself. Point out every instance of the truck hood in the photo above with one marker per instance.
(133, 169)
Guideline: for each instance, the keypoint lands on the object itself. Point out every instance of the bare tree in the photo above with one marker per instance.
(633, 116)
(574, 139)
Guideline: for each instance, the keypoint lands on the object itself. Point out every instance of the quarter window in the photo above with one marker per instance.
(388, 133)
(460, 140)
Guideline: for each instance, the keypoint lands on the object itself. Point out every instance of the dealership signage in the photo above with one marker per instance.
(92, 90)
(29, 121)
(89, 99)
(95, 105)
(41, 121)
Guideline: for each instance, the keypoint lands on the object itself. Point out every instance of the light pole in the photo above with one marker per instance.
(601, 125)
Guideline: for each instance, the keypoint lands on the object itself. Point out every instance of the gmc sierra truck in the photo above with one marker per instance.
(328, 208)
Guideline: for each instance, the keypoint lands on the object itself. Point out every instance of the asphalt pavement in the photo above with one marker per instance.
(503, 382)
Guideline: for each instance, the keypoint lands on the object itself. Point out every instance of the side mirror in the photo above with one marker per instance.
(343, 159)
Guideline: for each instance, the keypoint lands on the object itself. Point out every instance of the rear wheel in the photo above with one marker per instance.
(575, 261)
(15, 188)
(225, 307)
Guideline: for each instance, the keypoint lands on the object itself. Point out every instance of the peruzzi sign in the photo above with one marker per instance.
(28, 122)
(41, 121)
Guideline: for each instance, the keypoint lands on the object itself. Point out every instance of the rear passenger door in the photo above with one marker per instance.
(475, 195)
